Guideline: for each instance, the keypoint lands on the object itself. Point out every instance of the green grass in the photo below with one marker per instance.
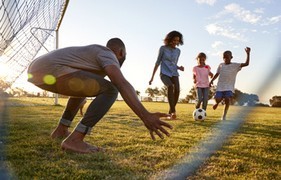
(253, 152)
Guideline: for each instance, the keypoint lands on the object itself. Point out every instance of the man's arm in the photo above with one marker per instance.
(151, 120)
(247, 50)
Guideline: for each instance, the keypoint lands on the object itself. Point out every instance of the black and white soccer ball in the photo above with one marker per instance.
(199, 114)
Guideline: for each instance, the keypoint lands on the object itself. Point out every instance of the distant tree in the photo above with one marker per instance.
(156, 91)
(147, 99)
(244, 98)
(188, 98)
(253, 99)
(4, 85)
(45, 94)
(238, 96)
(17, 92)
(164, 91)
(11, 91)
(212, 92)
(183, 100)
(152, 92)
(192, 93)
(275, 101)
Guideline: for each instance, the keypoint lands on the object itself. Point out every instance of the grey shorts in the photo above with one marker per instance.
(80, 84)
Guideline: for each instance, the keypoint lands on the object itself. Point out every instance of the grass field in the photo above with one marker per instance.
(252, 152)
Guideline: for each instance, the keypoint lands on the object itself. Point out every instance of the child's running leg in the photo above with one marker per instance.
(218, 100)
(226, 107)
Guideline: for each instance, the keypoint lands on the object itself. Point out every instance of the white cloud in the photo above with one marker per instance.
(216, 29)
(216, 48)
(254, 17)
(274, 20)
(216, 44)
(271, 20)
(259, 11)
(261, 1)
(236, 46)
(242, 14)
(217, 53)
(209, 2)
(265, 32)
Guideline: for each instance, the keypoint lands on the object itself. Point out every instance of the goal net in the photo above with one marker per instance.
(26, 28)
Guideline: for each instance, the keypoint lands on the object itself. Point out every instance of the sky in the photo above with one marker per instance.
(209, 26)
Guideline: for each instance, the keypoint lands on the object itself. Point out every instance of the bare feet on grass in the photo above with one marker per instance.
(61, 131)
(74, 143)
(80, 147)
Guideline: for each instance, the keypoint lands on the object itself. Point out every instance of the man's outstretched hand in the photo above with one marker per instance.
(153, 123)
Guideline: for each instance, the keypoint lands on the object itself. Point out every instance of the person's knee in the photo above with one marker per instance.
(227, 100)
(218, 99)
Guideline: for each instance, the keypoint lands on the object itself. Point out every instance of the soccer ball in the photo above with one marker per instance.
(199, 114)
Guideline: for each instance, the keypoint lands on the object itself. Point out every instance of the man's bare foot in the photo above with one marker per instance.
(74, 142)
(61, 131)
(79, 146)
(215, 106)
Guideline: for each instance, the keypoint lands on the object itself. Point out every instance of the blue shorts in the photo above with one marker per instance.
(223, 94)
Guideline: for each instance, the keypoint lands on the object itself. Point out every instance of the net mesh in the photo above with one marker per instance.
(26, 28)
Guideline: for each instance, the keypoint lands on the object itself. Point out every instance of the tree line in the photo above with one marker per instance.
(239, 98)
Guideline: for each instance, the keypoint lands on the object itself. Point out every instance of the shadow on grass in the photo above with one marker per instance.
(33, 154)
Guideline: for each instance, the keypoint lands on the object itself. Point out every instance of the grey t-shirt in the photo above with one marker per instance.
(227, 76)
(92, 58)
